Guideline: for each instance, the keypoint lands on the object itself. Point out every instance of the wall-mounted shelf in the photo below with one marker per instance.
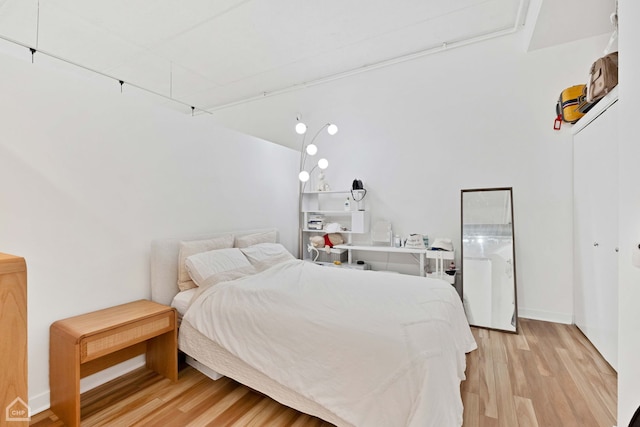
(607, 101)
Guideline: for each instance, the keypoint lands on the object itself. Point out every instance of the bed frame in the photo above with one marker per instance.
(205, 355)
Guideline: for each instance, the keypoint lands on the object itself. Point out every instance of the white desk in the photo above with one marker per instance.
(423, 254)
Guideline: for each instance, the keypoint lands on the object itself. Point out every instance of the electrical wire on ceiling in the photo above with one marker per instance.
(38, 25)
(121, 82)
(35, 49)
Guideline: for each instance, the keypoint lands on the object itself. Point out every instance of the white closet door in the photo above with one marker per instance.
(595, 233)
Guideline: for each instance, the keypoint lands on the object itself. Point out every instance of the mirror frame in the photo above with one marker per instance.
(513, 250)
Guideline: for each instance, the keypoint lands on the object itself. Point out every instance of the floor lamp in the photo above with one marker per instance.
(307, 150)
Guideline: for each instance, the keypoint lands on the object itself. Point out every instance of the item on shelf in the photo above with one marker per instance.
(414, 241)
(327, 241)
(603, 77)
(333, 256)
(357, 193)
(584, 106)
(451, 271)
(567, 105)
(311, 247)
(322, 185)
(381, 233)
(442, 244)
(334, 227)
(332, 239)
(397, 242)
(315, 222)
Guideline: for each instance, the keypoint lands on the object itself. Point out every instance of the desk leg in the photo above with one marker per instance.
(422, 259)
(64, 377)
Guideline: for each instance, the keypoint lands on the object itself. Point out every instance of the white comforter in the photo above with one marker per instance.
(376, 348)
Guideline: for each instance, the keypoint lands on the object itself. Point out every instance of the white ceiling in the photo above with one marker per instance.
(560, 21)
(214, 53)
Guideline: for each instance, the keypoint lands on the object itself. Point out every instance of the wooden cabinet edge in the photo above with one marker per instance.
(13, 358)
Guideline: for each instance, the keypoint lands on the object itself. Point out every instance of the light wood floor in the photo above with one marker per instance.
(549, 375)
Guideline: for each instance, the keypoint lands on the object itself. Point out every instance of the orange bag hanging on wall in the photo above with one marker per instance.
(567, 105)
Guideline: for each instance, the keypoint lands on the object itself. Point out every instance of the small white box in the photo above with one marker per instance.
(359, 222)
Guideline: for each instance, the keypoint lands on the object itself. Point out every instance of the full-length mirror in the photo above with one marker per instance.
(488, 259)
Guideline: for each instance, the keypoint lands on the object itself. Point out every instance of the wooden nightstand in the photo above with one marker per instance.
(83, 345)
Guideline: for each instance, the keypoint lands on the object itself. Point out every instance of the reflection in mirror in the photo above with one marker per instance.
(488, 259)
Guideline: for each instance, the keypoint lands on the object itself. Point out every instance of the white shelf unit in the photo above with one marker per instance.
(330, 205)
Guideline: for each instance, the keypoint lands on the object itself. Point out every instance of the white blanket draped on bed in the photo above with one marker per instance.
(377, 349)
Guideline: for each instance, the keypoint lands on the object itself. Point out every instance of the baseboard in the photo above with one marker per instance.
(547, 316)
(42, 401)
(39, 402)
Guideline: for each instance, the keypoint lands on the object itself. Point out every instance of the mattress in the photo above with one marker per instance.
(210, 354)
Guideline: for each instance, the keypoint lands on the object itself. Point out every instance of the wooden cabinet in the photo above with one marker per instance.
(13, 345)
(595, 228)
(85, 344)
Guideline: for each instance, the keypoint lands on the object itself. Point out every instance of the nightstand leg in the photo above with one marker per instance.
(162, 355)
(64, 378)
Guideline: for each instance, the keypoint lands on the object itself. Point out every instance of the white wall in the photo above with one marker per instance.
(478, 116)
(91, 176)
(629, 221)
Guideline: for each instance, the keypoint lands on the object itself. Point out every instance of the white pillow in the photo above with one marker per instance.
(266, 251)
(203, 265)
(192, 247)
(254, 239)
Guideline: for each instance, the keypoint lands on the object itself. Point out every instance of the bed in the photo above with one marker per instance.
(352, 347)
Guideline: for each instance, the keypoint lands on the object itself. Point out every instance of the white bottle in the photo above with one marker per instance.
(347, 205)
